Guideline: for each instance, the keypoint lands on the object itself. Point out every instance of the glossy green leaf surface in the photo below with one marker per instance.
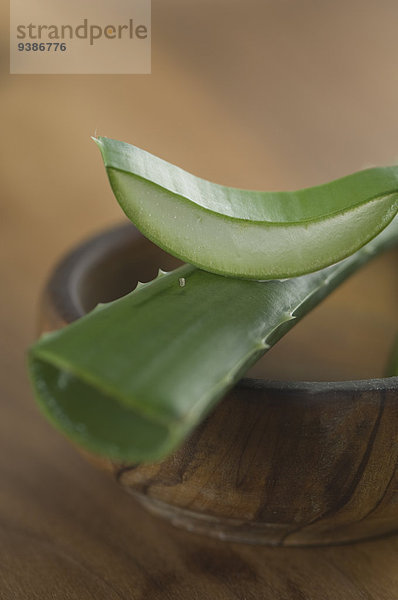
(249, 234)
(131, 379)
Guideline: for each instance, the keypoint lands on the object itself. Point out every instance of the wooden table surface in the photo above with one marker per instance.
(275, 94)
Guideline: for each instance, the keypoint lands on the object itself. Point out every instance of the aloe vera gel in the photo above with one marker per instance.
(246, 234)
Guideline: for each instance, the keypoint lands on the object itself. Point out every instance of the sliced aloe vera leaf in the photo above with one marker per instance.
(247, 234)
(132, 378)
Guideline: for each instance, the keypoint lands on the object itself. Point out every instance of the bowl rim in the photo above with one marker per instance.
(62, 287)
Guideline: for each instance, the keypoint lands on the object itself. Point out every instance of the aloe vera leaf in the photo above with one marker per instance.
(132, 378)
(247, 234)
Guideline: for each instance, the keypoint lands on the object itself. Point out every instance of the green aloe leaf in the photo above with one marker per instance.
(131, 379)
(248, 234)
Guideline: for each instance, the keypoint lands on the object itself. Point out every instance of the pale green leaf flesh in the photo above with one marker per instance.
(132, 378)
(249, 234)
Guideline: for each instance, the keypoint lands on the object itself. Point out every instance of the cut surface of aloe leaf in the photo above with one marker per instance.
(132, 378)
(249, 234)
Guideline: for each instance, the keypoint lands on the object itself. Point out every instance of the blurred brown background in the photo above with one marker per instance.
(272, 94)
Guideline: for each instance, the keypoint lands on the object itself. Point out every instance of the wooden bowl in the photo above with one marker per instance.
(283, 463)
